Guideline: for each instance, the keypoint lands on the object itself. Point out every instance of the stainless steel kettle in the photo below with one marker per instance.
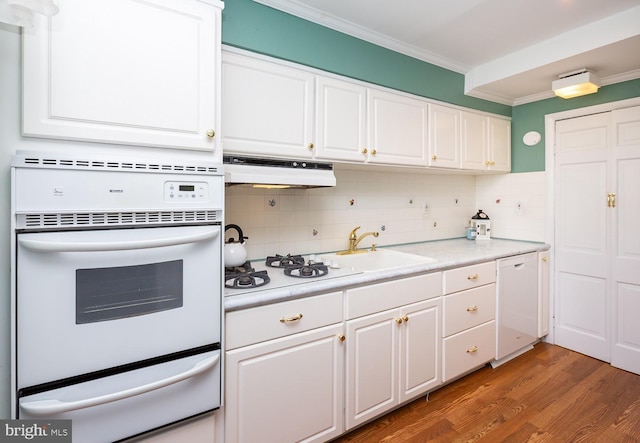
(235, 253)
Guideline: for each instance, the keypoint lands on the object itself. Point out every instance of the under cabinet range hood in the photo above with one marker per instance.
(275, 173)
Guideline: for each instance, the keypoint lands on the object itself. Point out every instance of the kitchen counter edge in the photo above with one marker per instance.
(448, 254)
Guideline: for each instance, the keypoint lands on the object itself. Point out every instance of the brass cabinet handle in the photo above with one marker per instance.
(341, 337)
(211, 133)
(472, 350)
(472, 309)
(473, 277)
(290, 319)
(399, 321)
(405, 318)
(311, 146)
(613, 199)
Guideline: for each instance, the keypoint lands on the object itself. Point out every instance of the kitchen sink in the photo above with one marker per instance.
(378, 260)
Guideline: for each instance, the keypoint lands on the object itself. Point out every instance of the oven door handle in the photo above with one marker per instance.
(64, 246)
(50, 407)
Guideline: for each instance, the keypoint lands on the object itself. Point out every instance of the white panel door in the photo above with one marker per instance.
(420, 349)
(444, 137)
(372, 366)
(341, 120)
(124, 71)
(268, 108)
(286, 390)
(625, 267)
(473, 141)
(397, 128)
(582, 285)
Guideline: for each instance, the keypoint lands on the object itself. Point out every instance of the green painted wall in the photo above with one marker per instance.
(530, 117)
(258, 28)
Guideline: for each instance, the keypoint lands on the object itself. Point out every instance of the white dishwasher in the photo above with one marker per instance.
(517, 310)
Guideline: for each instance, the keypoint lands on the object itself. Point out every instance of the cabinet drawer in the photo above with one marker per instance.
(468, 350)
(466, 309)
(468, 277)
(263, 323)
(392, 294)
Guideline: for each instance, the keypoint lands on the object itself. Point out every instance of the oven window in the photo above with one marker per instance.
(111, 293)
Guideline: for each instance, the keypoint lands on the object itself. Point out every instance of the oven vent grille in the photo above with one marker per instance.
(94, 164)
(98, 219)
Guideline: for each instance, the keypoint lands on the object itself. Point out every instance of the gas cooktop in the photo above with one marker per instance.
(280, 271)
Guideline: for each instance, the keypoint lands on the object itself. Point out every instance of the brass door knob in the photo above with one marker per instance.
(211, 133)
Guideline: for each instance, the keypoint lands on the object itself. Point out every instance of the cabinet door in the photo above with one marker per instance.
(372, 366)
(499, 145)
(474, 141)
(444, 139)
(286, 390)
(397, 128)
(91, 73)
(419, 349)
(268, 108)
(340, 120)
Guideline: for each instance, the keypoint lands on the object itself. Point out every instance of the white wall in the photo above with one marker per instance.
(391, 202)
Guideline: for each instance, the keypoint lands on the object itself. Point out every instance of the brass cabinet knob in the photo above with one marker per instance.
(365, 150)
(405, 318)
(487, 162)
(374, 152)
(341, 337)
(399, 321)
(434, 157)
(211, 133)
(544, 259)
(311, 146)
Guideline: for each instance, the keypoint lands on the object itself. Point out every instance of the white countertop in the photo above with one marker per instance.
(447, 253)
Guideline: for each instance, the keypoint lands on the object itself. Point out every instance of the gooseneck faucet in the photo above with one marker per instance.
(354, 240)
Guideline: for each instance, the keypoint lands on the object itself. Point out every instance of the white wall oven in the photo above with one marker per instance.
(117, 299)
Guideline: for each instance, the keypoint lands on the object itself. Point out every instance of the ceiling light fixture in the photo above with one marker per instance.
(575, 84)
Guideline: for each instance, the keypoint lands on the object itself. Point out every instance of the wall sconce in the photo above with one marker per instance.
(575, 84)
(21, 12)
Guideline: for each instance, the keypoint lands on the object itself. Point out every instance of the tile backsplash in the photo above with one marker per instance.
(403, 206)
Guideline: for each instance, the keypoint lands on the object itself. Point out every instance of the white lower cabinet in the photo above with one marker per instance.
(290, 388)
(392, 356)
(469, 327)
(392, 351)
(200, 429)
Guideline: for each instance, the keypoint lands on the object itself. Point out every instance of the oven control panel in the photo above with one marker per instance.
(183, 191)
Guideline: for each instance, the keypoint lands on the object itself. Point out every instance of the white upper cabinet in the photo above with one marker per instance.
(341, 119)
(398, 128)
(444, 140)
(125, 72)
(474, 141)
(499, 145)
(267, 108)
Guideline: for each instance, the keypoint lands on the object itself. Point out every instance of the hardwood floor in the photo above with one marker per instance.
(549, 394)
